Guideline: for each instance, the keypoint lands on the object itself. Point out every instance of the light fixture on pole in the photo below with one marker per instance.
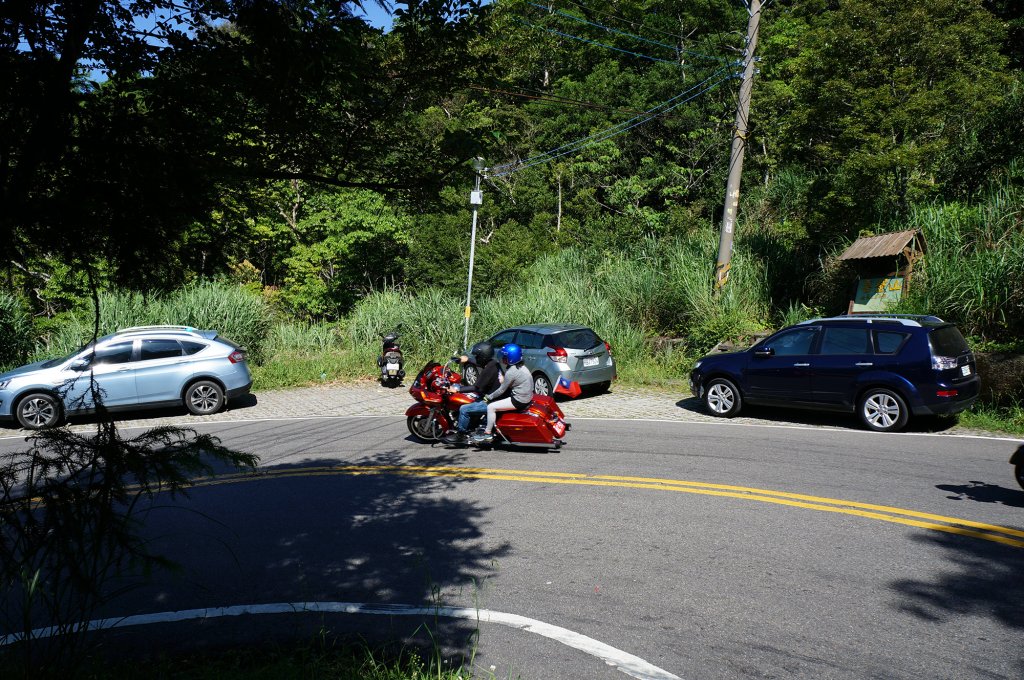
(476, 198)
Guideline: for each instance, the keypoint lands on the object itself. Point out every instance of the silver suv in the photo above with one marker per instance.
(140, 367)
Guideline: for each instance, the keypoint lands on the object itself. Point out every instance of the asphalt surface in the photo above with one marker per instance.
(779, 544)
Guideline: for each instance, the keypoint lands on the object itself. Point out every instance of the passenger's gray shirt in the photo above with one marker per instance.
(519, 381)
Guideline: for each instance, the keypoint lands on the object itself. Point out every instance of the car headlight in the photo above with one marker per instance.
(697, 365)
(4, 384)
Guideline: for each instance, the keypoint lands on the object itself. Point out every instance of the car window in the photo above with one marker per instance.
(845, 341)
(192, 347)
(580, 338)
(794, 342)
(119, 353)
(503, 338)
(946, 341)
(529, 340)
(890, 342)
(159, 349)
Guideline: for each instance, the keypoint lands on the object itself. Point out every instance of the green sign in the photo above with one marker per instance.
(875, 295)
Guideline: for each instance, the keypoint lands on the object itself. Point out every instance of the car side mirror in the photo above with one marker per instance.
(764, 352)
(79, 364)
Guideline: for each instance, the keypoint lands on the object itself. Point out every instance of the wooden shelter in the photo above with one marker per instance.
(884, 265)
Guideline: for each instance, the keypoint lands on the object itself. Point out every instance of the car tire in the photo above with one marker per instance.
(722, 398)
(38, 411)
(204, 398)
(470, 375)
(541, 385)
(883, 410)
(424, 427)
(603, 387)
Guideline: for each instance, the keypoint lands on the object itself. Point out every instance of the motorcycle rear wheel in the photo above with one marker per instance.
(424, 427)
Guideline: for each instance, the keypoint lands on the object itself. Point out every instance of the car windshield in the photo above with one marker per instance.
(60, 360)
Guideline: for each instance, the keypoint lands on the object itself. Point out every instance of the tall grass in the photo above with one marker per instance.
(662, 288)
(15, 331)
(973, 272)
(233, 311)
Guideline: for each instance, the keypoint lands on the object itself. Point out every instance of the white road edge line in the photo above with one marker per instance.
(626, 663)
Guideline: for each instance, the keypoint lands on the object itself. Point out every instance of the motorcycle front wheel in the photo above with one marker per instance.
(424, 427)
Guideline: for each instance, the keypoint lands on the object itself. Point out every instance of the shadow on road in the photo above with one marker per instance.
(981, 579)
(983, 492)
(818, 418)
(316, 531)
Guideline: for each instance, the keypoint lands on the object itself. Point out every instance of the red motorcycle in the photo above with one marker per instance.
(436, 410)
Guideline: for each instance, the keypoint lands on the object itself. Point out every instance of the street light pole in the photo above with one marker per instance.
(476, 198)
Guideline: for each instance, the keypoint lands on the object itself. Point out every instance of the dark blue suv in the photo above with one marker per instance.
(884, 368)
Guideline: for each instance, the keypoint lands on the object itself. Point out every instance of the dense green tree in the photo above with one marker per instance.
(348, 242)
(875, 96)
(217, 99)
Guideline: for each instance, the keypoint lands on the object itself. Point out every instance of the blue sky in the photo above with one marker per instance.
(375, 16)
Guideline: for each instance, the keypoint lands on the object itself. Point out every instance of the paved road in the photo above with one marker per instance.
(369, 398)
(704, 548)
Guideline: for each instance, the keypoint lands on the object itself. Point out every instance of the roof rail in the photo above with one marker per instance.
(882, 316)
(140, 329)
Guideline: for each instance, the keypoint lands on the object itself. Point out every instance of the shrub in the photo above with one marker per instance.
(15, 331)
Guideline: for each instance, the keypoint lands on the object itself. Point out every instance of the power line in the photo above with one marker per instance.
(599, 44)
(554, 99)
(650, 114)
(674, 48)
(618, 18)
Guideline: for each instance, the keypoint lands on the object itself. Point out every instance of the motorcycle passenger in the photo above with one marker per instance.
(487, 381)
(518, 384)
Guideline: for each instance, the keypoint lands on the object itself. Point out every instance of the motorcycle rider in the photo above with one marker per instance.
(487, 381)
(518, 384)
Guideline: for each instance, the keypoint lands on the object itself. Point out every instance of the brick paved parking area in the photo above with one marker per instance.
(371, 399)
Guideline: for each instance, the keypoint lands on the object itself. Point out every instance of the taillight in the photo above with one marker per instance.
(946, 393)
(609, 348)
(236, 357)
(558, 354)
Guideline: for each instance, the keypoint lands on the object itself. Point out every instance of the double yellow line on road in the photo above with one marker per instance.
(922, 520)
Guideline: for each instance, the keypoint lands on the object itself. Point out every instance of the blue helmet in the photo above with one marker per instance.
(513, 353)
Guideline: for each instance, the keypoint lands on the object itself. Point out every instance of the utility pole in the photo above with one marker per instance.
(476, 198)
(739, 144)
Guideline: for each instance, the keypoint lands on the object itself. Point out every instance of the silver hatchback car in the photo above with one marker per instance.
(554, 353)
(136, 368)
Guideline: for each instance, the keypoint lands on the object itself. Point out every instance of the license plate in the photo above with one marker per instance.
(591, 361)
(965, 370)
(559, 428)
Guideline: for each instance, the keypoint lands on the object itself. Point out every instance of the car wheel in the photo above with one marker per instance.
(603, 387)
(883, 410)
(541, 385)
(722, 398)
(470, 374)
(425, 427)
(38, 411)
(204, 398)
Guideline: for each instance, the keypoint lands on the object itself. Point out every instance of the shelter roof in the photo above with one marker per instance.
(885, 245)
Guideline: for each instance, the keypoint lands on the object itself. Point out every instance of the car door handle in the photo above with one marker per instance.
(801, 365)
(864, 363)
